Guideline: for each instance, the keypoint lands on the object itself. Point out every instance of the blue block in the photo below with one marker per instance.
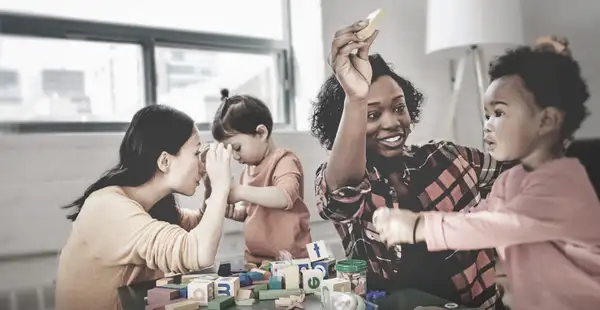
(183, 292)
(245, 280)
(255, 276)
(275, 283)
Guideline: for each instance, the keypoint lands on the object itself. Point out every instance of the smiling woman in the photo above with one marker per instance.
(363, 115)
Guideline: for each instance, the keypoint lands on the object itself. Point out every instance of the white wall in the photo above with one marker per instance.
(38, 173)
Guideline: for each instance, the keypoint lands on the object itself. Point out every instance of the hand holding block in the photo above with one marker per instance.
(368, 31)
(317, 251)
(312, 280)
(327, 267)
(228, 286)
(291, 277)
(201, 291)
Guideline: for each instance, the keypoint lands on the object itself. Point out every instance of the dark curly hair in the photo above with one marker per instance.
(328, 107)
(554, 79)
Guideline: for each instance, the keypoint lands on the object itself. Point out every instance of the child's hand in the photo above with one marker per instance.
(395, 226)
(234, 193)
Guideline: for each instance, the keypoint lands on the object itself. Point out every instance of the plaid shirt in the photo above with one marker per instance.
(439, 176)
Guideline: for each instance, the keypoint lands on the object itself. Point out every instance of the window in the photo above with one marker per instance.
(191, 80)
(72, 81)
(259, 19)
(78, 72)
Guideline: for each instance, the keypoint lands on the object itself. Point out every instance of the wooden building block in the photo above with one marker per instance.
(173, 286)
(303, 263)
(244, 294)
(164, 281)
(221, 302)
(245, 302)
(201, 291)
(317, 251)
(187, 278)
(277, 267)
(259, 287)
(283, 302)
(265, 274)
(291, 277)
(336, 285)
(276, 283)
(184, 305)
(249, 266)
(312, 280)
(227, 286)
(368, 31)
(274, 294)
(326, 266)
(159, 295)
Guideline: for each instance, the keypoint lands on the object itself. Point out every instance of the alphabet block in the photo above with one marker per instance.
(201, 291)
(228, 286)
(291, 277)
(277, 267)
(312, 280)
(317, 251)
(302, 263)
(336, 285)
(187, 278)
(327, 267)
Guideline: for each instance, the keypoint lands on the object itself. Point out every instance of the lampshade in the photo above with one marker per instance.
(453, 25)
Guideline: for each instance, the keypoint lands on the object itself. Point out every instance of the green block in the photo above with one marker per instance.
(221, 302)
(259, 287)
(274, 294)
(174, 286)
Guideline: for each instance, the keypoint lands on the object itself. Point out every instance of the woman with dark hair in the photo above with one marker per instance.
(127, 226)
(363, 116)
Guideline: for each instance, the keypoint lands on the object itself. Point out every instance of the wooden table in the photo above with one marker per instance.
(132, 298)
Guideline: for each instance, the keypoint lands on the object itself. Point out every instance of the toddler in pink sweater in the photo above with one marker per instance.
(541, 216)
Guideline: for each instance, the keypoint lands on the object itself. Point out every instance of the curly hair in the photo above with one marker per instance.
(554, 79)
(328, 107)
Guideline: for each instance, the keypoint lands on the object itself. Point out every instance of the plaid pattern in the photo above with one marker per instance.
(439, 176)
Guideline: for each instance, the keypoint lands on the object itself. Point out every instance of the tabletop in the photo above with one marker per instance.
(132, 298)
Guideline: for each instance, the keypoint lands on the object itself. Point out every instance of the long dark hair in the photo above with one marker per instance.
(154, 129)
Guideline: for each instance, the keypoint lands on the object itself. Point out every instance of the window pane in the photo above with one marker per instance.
(191, 80)
(257, 18)
(69, 80)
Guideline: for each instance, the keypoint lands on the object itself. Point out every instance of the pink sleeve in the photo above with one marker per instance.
(546, 209)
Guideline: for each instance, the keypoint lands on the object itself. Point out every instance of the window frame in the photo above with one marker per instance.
(148, 38)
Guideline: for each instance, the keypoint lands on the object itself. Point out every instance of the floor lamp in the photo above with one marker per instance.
(462, 31)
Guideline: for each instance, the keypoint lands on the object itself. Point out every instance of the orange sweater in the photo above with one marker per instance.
(115, 242)
(267, 230)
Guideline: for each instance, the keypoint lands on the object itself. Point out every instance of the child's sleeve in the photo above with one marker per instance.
(546, 209)
(288, 176)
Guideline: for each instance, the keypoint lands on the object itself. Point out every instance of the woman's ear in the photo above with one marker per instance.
(262, 132)
(163, 162)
